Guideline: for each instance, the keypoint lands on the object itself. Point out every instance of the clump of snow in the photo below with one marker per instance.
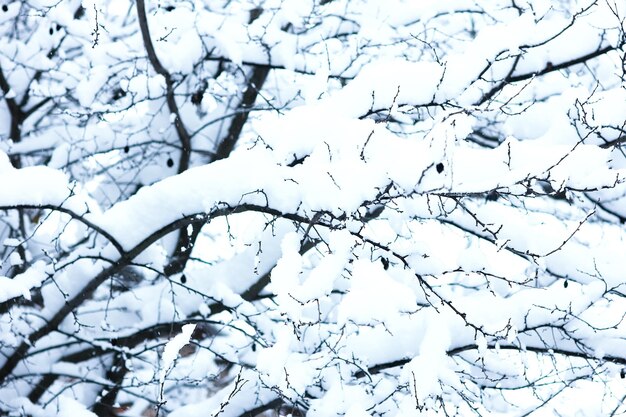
(281, 367)
(21, 284)
(170, 352)
(70, 407)
(430, 368)
(374, 296)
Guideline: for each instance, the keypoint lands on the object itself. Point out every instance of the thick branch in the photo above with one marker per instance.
(259, 75)
(183, 135)
(14, 108)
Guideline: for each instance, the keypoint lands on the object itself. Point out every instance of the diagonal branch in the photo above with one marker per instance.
(549, 67)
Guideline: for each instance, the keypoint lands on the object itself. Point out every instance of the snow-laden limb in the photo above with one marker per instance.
(355, 176)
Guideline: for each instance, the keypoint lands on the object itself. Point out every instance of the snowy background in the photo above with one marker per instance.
(312, 207)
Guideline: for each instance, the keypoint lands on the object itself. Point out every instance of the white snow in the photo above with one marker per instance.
(395, 228)
(171, 349)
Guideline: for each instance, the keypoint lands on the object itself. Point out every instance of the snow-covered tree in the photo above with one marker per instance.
(312, 207)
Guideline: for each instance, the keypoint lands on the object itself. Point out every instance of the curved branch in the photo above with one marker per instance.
(181, 130)
(74, 216)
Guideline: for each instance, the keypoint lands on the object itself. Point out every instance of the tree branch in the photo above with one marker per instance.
(183, 134)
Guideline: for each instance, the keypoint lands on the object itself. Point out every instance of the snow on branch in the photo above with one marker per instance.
(311, 207)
